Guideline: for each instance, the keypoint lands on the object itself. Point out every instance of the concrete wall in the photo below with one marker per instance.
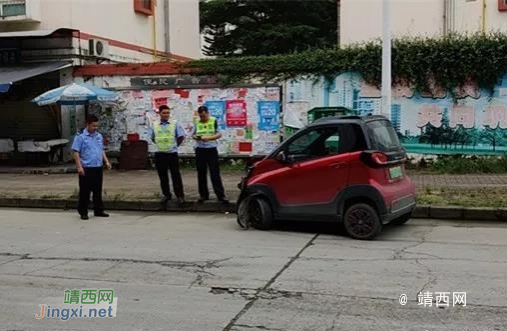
(184, 28)
(361, 20)
(469, 17)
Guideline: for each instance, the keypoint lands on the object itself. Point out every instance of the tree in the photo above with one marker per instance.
(267, 27)
(438, 136)
(493, 136)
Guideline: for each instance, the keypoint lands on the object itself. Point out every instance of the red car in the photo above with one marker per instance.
(338, 169)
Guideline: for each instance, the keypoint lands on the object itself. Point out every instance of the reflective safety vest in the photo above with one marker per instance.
(165, 137)
(205, 129)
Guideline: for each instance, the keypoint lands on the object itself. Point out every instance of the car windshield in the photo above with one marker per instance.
(383, 136)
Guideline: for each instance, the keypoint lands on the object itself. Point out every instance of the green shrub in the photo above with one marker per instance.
(469, 165)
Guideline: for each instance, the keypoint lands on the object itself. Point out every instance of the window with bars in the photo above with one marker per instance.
(12, 8)
(144, 7)
(502, 5)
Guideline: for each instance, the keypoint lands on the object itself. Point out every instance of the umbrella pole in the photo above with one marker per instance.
(75, 116)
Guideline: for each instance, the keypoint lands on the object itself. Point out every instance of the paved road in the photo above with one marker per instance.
(200, 272)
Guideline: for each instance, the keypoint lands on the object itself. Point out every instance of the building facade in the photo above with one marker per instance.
(119, 31)
(415, 18)
(42, 41)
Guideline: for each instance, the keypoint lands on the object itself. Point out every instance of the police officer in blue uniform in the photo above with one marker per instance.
(90, 157)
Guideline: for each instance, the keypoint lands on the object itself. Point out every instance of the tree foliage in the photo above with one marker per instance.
(267, 27)
(448, 62)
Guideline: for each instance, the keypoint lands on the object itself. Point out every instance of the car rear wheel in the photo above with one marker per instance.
(255, 211)
(362, 222)
(402, 219)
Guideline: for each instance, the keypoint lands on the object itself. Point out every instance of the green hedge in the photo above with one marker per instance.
(450, 61)
(459, 164)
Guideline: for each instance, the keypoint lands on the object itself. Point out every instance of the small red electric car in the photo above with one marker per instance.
(338, 169)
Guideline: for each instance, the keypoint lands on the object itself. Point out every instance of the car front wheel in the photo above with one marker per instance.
(255, 211)
(362, 222)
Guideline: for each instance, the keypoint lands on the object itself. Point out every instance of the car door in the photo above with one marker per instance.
(316, 170)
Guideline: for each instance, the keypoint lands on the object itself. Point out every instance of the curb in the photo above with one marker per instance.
(66, 204)
(422, 212)
(31, 171)
(461, 213)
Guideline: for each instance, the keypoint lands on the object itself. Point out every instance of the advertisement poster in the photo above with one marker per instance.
(157, 102)
(217, 110)
(268, 115)
(236, 113)
(473, 122)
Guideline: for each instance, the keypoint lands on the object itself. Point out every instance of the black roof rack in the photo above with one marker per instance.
(337, 118)
(350, 118)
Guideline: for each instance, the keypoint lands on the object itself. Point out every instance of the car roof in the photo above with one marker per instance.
(348, 119)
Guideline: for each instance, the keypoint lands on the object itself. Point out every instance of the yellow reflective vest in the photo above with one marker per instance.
(165, 138)
(205, 129)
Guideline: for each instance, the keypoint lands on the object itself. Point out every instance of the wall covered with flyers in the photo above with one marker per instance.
(248, 117)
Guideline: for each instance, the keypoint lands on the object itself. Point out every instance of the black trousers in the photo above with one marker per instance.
(207, 158)
(91, 182)
(165, 162)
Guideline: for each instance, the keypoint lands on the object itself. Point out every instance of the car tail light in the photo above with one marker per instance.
(379, 158)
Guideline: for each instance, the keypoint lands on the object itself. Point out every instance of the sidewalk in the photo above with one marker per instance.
(144, 183)
(463, 181)
(124, 188)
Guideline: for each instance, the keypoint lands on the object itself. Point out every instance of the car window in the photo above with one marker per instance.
(383, 136)
(301, 143)
(332, 144)
(353, 139)
(315, 143)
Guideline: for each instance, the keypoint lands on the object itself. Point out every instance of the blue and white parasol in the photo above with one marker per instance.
(74, 94)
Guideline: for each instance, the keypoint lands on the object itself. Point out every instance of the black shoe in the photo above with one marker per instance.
(102, 214)
(84, 217)
(201, 200)
(181, 201)
(165, 200)
(224, 201)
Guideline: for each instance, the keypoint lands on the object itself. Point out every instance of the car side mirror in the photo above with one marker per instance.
(282, 157)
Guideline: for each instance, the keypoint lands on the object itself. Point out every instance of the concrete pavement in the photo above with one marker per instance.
(143, 184)
(439, 196)
(201, 272)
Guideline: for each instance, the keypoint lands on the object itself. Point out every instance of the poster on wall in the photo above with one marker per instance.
(135, 114)
(236, 113)
(269, 115)
(217, 110)
(475, 123)
(157, 102)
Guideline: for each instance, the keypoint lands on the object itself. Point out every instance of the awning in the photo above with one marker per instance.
(12, 74)
(33, 33)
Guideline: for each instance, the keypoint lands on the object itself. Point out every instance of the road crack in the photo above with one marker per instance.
(399, 254)
(258, 327)
(200, 268)
(266, 287)
(432, 280)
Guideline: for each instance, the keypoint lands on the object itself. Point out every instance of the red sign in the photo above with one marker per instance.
(235, 112)
(184, 94)
(245, 147)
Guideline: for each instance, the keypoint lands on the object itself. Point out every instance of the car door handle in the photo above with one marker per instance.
(337, 165)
